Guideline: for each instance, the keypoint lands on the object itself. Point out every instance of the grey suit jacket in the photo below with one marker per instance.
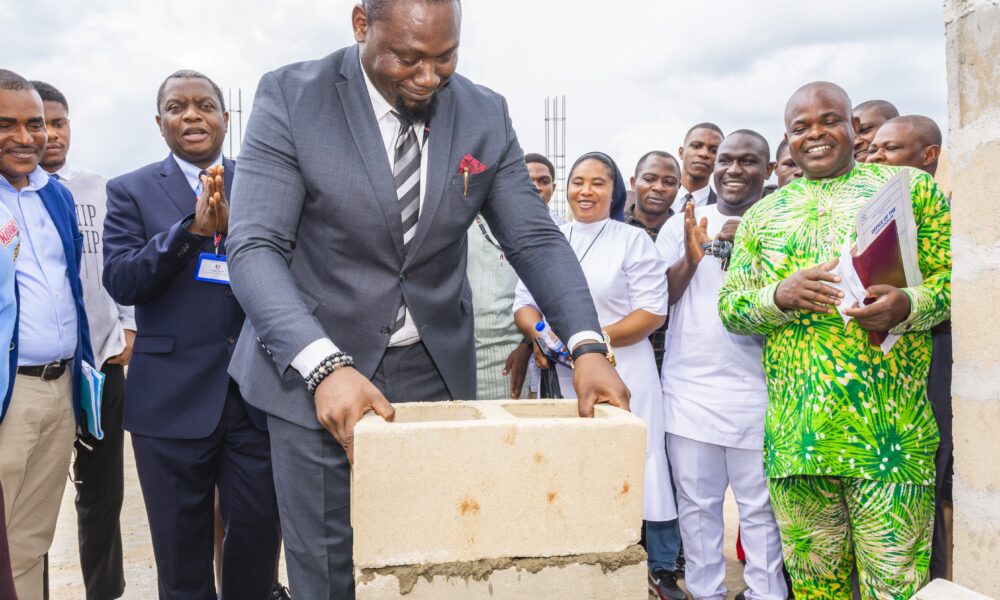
(316, 242)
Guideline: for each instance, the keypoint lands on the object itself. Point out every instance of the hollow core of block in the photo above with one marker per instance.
(420, 412)
(554, 410)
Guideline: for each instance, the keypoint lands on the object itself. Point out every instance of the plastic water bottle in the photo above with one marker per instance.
(551, 340)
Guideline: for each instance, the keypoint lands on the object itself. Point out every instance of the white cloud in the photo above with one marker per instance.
(636, 73)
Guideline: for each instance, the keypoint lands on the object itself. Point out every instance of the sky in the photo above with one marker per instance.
(636, 73)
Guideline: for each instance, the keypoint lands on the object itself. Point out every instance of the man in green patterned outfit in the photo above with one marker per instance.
(850, 437)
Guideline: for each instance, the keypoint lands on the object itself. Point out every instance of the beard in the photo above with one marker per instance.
(421, 113)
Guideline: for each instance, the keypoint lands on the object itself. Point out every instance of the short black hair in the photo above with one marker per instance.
(375, 9)
(11, 81)
(189, 74)
(706, 125)
(928, 132)
(752, 133)
(534, 157)
(782, 146)
(658, 153)
(49, 93)
(884, 107)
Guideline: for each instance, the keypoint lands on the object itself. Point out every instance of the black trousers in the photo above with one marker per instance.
(313, 482)
(179, 478)
(939, 394)
(99, 474)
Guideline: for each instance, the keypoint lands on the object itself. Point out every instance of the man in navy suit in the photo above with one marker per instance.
(165, 245)
(51, 336)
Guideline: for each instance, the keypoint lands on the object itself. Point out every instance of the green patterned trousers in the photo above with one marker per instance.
(828, 524)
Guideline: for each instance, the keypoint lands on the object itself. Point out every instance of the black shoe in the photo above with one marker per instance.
(664, 585)
(280, 592)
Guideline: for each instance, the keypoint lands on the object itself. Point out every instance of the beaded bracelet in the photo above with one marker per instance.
(327, 367)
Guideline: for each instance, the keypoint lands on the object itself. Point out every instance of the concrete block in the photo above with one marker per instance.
(942, 589)
(617, 576)
(464, 481)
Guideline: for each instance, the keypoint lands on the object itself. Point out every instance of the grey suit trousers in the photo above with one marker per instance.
(316, 524)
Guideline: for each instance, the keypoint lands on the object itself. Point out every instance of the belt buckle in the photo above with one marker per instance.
(52, 371)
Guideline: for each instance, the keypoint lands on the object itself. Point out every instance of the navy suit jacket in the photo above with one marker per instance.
(177, 382)
(58, 201)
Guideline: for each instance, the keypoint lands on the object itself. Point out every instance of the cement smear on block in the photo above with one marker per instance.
(481, 570)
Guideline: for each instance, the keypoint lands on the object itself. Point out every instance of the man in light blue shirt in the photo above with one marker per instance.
(52, 339)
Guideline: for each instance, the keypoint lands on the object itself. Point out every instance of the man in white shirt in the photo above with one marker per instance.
(714, 389)
(701, 144)
(99, 467)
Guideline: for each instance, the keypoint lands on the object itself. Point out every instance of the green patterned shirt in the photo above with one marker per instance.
(838, 407)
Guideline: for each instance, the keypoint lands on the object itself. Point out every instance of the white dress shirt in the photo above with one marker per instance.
(47, 328)
(714, 389)
(107, 319)
(699, 196)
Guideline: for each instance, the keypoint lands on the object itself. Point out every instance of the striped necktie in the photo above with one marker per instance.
(688, 199)
(406, 173)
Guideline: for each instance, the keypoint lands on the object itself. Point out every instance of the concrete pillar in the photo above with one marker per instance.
(973, 46)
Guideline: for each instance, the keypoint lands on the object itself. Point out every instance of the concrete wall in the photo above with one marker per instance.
(973, 48)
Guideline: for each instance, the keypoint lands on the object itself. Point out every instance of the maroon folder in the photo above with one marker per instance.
(881, 263)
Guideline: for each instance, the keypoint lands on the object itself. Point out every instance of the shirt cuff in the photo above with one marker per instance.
(575, 339)
(313, 354)
(907, 323)
(126, 316)
(769, 309)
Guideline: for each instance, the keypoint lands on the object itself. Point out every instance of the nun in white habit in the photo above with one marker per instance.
(628, 282)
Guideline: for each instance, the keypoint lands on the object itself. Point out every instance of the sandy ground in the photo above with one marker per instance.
(140, 572)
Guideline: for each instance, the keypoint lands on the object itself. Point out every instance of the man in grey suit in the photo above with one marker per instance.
(359, 177)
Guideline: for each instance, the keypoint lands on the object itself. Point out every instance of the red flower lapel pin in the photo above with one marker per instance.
(468, 165)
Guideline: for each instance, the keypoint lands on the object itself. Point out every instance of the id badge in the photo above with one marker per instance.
(212, 268)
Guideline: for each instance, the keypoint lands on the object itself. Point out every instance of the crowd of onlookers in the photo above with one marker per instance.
(718, 300)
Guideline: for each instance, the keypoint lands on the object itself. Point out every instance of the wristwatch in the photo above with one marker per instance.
(596, 347)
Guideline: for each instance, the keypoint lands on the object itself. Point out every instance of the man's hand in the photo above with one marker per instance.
(728, 232)
(342, 399)
(211, 214)
(596, 382)
(541, 361)
(890, 308)
(516, 366)
(123, 357)
(805, 290)
(695, 234)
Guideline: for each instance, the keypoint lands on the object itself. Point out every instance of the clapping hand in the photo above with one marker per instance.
(695, 234)
(211, 214)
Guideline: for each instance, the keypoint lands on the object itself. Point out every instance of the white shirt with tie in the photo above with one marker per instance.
(699, 196)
